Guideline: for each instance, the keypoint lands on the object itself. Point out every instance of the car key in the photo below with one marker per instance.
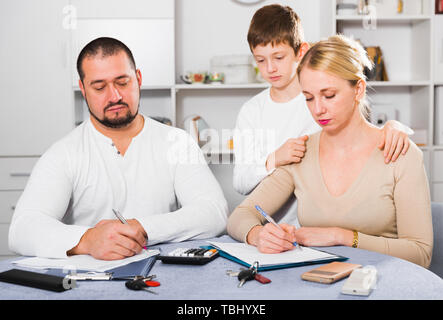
(138, 284)
(258, 277)
(246, 275)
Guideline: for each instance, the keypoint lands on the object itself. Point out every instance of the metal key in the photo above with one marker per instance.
(149, 290)
(144, 278)
(148, 278)
(233, 273)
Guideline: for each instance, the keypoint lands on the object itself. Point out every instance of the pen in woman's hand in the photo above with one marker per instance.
(269, 219)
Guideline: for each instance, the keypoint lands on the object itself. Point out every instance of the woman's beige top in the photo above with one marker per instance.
(388, 204)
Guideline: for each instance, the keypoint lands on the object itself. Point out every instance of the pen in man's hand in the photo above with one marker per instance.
(123, 220)
(120, 217)
(269, 219)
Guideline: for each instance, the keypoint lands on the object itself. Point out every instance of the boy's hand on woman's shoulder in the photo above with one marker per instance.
(292, 151)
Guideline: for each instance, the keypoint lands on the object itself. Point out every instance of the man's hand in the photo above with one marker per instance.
(112, 240)
(394, 140)
(292, 151)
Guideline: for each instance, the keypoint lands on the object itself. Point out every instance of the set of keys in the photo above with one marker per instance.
(248, 274)
(142, 283)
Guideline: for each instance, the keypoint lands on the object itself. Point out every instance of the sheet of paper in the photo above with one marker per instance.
(82, 262)
(250, 254)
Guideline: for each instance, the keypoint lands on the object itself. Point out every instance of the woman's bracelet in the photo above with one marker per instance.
(355, 240)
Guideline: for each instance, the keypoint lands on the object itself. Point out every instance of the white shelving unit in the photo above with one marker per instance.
(408, 45)
(387, 18)
(221, 86)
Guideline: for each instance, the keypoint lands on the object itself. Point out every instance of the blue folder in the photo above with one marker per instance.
(137, 268)
(129, 271)
(226, 255)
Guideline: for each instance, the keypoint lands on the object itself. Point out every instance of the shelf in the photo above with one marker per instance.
(216, 150)
(221, 86)
(201, 86)
(395, 18)
(266, 85)
(165, 87)
(161, 87)
(398, 83)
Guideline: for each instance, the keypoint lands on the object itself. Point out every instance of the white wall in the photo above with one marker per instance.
(205, 28)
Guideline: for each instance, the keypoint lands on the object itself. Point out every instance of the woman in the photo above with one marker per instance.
(347, 194)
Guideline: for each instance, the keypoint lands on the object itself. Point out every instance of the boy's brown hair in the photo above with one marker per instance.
(275, 24)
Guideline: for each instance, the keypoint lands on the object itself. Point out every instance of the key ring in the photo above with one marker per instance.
(254, 266)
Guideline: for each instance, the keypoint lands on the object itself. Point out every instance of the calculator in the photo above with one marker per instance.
(189, 256)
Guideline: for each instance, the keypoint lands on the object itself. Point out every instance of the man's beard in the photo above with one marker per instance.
(118, 122)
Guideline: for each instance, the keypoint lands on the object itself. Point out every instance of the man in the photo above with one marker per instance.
(117, 159)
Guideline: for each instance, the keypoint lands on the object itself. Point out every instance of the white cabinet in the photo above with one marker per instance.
(8, 201)
(437, 194)
(14, 174)
(4, 248)
(438, 166)
(427, 164)
(111, 9)
(151, 42)
(36, 92)
(148, 29)
(438, 48)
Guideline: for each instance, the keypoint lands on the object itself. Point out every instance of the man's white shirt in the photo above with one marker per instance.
(162, 181)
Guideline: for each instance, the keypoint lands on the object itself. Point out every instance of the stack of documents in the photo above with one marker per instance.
(82, 262)
(246, 254)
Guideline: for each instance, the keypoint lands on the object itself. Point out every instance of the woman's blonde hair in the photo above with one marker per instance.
(342, 57)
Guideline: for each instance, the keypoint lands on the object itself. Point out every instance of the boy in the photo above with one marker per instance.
(273, 126)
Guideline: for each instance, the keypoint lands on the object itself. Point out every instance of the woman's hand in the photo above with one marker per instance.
(394, 140)
(270, 239)
(323, 237)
